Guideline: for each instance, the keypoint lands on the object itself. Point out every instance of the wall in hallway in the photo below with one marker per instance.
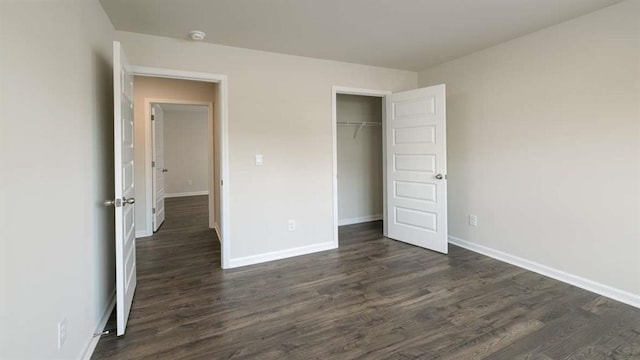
(185, 149)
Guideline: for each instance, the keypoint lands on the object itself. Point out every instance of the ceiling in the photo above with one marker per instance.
(401, 34)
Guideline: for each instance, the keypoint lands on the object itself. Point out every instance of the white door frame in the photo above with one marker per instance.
(150, 149)
(342, 90)
(223, 108)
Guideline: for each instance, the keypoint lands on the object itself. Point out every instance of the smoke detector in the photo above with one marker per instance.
(197, 35)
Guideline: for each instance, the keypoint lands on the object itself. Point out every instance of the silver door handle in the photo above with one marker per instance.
(129, 201)
(116, 203)
(439, 177)
(165, 170)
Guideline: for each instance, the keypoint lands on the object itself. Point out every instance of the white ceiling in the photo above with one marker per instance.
(402, 34)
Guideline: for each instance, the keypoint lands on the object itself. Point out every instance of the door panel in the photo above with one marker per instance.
(416, 159)
(157, 126)
(124, 187)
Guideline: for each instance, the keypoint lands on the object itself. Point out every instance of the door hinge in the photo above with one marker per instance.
(221, 182)
(153, 117)
(153, 210)
(153, 164)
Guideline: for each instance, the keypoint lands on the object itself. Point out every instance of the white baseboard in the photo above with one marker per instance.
(281, 254)
(216, 227)
(358, 220)
(598, 288)
(91, 346)
(143, 233)
(191, 193)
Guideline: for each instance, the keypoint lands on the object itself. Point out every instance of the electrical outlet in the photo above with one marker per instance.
(62, 332)
(292, 224)
(473, 220)
(189, 182)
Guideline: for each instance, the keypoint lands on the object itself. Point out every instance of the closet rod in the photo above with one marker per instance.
(360, 125)
(354, 123)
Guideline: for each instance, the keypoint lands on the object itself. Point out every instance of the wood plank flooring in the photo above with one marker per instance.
(373, 298)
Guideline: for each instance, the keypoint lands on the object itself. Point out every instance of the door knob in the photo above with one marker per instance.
(165, 170)
(116, 203)
(439, 177)
(129, 200)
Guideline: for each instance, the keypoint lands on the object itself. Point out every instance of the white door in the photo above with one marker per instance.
(416, 168)
(157, 128)
(124, 189)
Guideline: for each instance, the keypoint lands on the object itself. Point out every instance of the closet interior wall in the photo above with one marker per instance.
(360, 193)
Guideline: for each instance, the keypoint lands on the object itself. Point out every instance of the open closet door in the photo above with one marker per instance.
(124, 187)
(416, 181)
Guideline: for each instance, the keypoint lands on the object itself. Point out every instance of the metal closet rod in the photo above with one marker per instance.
(359, 123)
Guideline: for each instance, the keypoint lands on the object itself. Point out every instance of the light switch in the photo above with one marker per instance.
(259, 159)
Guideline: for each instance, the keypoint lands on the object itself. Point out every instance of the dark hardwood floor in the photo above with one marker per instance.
(373, 298)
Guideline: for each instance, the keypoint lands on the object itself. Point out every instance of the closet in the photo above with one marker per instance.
(359, 155)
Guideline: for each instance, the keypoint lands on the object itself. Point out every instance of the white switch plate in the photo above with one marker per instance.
(292, 224)
(259, 159)
(473, 220)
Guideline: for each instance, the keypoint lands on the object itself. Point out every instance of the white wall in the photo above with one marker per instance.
(279, 106)
(185, 151)
(57, 168)
(544, 146)
(359, 160)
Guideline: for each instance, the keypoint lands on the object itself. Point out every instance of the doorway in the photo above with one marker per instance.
(180, 146)
(360, 162)
(221, 129)
(357, 160)
(168, 88)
